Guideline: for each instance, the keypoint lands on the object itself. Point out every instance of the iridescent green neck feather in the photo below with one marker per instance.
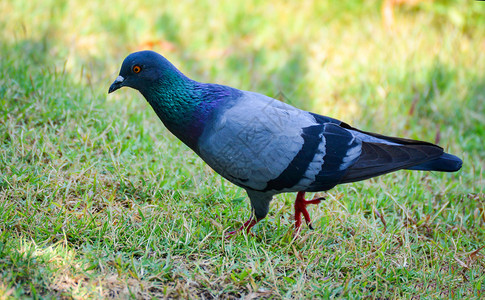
(185, 106)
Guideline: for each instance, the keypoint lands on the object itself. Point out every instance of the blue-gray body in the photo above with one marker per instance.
(266, 146)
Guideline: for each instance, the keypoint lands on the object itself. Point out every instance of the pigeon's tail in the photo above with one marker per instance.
(445, 163)
(382, 154)
(378, 159)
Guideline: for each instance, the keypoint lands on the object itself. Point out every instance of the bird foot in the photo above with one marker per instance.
(248, 225)
(300, 209)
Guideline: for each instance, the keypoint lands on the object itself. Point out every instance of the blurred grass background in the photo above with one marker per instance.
(97, 199)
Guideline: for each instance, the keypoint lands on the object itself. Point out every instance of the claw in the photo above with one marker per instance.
(248, 225)
(300, 209)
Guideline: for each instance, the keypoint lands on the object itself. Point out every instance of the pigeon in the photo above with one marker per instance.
(266, 146)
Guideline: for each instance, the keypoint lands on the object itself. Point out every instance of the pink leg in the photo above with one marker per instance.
(300, 208)
(248, 225)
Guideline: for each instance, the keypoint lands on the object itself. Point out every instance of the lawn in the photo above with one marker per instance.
(99, 200)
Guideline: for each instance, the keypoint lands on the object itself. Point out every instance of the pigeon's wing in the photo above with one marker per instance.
(262, 144)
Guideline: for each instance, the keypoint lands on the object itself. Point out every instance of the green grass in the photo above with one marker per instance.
(99, 200)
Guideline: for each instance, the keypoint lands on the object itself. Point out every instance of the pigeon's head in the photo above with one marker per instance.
(144, 69)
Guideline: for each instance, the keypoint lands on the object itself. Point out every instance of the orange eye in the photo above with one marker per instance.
(136, 69)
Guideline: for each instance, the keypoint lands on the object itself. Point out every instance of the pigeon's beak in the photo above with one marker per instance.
(116, 84)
